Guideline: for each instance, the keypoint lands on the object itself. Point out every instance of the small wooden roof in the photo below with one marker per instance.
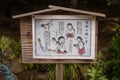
(54, 8)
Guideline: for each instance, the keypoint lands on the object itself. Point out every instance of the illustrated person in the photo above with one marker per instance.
(70, 30)
(70, 36)
(61, 47)
(54, 43)
(80, 46)
(46, 35)
(58, 46)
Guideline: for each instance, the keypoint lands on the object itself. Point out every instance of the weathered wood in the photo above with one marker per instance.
(77, 11)
(27, 45)
(31, 60)
(32, 13)
(59, 71)
(54, 8)
(60, 12)
(26, 39)
(96, 40)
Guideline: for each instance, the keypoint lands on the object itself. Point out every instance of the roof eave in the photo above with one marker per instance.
(32, 13)
(77, 11)
(54, 8)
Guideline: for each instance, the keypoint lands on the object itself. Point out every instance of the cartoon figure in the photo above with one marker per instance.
(80, 46)
(47, 25)
(70, 31)
(54, 43)
(61, 47)
(46, 34)
(58, 46)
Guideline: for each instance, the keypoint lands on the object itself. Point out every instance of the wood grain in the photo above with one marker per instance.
(27, 45)
(59, 71)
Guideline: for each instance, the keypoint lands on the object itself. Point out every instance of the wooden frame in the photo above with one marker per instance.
(91, 42)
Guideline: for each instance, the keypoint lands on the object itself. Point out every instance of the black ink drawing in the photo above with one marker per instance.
(86, 35)
(86, 29)
(79, 28)
(64, 38)
(80, 46)
(70, 36)
(47, 25)
(47, 33)
(61, 27)
(59, 45)
(86, 41)
(61, 49)
(86, 32)
(47, 39)
(41, 47)
(70, 31)
(86, 26)
(54, 45)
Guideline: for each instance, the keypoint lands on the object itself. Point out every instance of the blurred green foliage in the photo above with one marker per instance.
(96, 70)
(113, 61)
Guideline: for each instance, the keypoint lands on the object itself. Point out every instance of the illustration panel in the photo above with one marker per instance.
(62, 38)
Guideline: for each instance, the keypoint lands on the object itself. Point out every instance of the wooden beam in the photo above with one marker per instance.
(77, 11)
(33, 13)
(59, 71)
(53, 8)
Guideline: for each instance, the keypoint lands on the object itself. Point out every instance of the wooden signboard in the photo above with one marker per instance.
(48, 36)
(58, 35)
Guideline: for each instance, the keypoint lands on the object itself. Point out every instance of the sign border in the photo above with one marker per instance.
(93, 31)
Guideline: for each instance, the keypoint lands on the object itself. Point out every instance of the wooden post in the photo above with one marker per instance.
(59, 71)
